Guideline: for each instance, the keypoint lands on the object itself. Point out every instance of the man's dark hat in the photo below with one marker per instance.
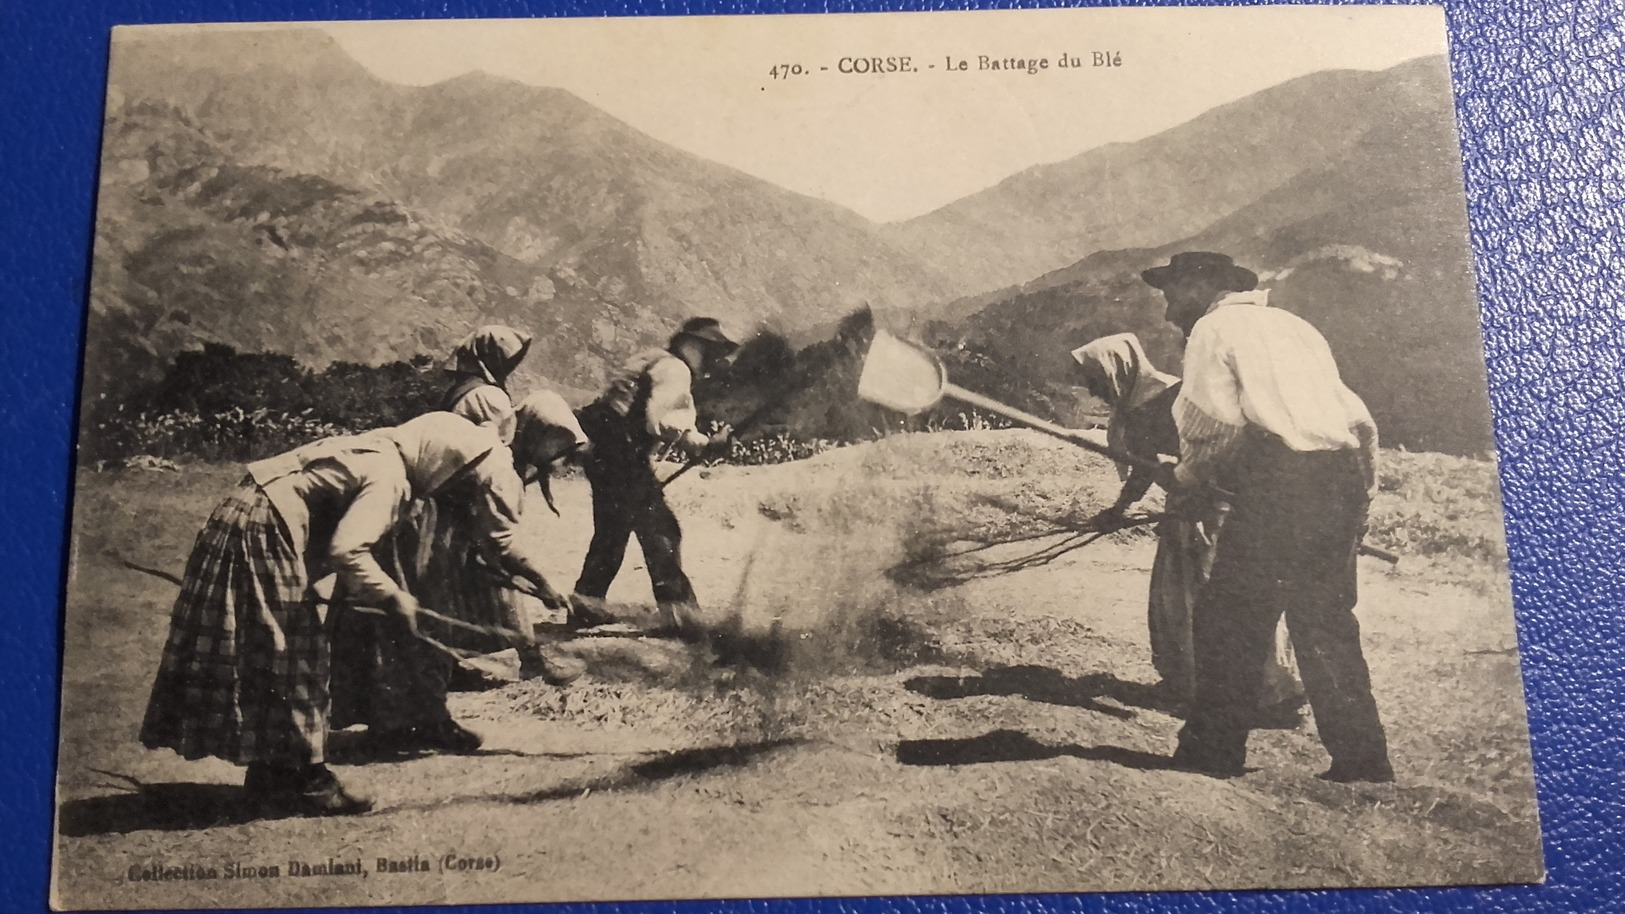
(1202, 265)
(707, 330)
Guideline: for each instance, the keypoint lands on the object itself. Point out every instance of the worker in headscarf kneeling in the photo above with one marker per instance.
(649, 403)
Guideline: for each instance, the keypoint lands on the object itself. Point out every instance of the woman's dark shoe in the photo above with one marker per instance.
(444, 736)
(311, 791)
(261, 780)
(560, 671)
(1185, 759)
(471, 677)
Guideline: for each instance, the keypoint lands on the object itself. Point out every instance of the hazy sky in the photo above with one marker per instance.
(900, 144)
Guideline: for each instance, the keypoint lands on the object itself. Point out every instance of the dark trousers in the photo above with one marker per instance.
(1288, 546)
(627, 500)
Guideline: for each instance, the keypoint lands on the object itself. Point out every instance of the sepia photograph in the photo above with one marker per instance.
(775, 456)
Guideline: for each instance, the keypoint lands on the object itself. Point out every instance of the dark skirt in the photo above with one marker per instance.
(389, 681)
(244, 674)
(1178, 573)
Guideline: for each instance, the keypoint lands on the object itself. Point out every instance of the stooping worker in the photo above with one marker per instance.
(649, 403)
(481, 366)
(244, 674)
(1117, 371)
(1264, 415)
(397, 686)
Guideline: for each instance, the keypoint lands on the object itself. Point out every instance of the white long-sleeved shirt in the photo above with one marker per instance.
(1250, 365)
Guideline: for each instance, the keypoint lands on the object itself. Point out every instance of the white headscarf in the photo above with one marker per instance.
(1124, 376)
(545, 429)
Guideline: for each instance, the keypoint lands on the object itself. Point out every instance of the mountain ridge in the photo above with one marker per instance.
(1168, 185)
(543, 176)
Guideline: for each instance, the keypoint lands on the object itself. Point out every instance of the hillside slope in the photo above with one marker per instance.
(534, 172)
(193, 247)
(1167, 186)
(1371, 247)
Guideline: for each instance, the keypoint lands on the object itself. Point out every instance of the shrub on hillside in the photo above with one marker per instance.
(217, 404)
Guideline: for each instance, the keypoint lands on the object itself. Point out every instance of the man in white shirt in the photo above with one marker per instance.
(1265, 419)
(649, 403)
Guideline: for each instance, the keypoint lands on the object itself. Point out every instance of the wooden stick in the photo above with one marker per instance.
(505, 634)
(774, 401)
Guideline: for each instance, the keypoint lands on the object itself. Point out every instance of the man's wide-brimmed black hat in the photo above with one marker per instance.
(707, 330)
(1202, 265)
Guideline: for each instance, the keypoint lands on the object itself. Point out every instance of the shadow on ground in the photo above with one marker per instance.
(1015, 746)
(357, 747)
(155, 807)
(1042, 684)
(698, 760)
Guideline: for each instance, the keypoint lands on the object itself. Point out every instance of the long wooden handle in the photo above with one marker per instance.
(1377, 553)
(506, 634)
(1071, 435)
(446, 649)
(761, 412)
(1031, 421)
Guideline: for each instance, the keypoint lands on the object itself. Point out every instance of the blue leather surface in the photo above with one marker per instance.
(1542, 99)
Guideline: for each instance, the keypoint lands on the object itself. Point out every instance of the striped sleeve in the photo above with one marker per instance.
(1208, 411)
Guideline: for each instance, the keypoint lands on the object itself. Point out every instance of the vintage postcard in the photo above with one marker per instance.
(964, 452)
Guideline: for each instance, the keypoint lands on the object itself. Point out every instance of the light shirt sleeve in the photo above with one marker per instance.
(381, 494)
(1249, 366)
(496, 511)
(1208, 411)
(489, 406)
(672, 414)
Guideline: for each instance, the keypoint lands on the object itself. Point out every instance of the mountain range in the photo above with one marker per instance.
(1369, 245)
(263, 190)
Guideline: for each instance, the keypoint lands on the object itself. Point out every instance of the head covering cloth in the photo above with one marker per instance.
(545, 430)
(435, 447)
(1124, 377)
(490, 353)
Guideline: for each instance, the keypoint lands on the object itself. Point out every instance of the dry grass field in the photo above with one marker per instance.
(964, 705)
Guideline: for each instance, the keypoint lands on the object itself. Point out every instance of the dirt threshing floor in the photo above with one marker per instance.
(939, 729)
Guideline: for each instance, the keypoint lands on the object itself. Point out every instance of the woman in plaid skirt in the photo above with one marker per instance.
(244, 675)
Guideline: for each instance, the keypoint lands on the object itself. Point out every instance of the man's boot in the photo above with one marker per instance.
(559, 671)
(1372, 770)
(587, 612)
(679, 619)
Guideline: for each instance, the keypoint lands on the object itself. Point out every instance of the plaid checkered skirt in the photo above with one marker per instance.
(244, 675)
